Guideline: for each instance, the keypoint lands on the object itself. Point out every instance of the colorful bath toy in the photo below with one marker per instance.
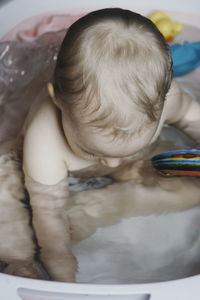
(178, 162)
(167, 27)
(185, 57)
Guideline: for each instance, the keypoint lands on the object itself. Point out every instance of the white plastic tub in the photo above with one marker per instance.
(14, 288)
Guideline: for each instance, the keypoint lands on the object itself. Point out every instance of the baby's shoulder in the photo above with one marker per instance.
(44, 144)
(47, 157)
(174, 104)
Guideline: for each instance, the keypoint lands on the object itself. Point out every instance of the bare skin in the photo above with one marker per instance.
(53, 146)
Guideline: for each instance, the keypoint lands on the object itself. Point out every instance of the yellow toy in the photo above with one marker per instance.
(167, 27)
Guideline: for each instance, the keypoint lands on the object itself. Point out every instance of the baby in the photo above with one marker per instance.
(111, 93)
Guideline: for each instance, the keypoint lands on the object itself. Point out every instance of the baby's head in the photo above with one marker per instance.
(112, 75)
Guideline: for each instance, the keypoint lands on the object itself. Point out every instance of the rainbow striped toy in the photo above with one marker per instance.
(178, 162)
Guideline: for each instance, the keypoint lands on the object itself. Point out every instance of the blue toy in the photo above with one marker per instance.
(185, 57)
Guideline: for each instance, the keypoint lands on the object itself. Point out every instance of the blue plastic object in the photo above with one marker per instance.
(185, 57)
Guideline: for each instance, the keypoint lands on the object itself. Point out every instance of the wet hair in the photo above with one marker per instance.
(113, 66)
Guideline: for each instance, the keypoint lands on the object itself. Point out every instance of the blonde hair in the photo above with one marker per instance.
(112, 64)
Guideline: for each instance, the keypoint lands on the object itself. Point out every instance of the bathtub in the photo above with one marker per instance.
(14, 288)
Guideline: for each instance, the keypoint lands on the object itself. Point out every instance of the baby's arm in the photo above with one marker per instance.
(183, 112)
(47, 184)
(48, 204)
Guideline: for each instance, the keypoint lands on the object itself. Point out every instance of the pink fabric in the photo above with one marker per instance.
(31, 28)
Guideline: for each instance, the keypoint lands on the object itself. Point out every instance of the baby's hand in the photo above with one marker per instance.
(29, 269)
(60, 267)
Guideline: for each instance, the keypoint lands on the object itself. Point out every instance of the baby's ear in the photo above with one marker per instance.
(51, 93)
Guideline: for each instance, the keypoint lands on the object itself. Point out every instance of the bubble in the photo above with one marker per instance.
(22, 72)
(4, 52)
(9, 62)
(55, 57)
